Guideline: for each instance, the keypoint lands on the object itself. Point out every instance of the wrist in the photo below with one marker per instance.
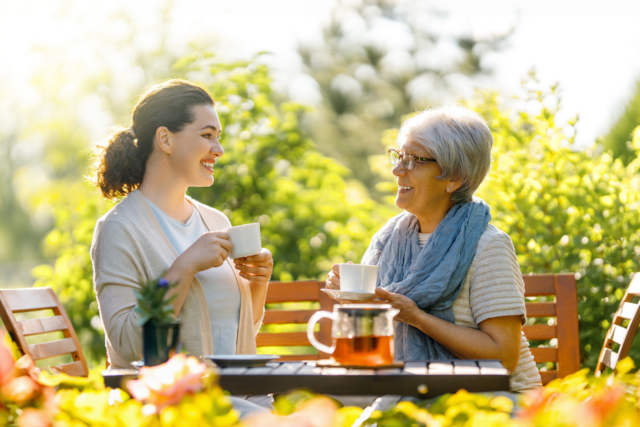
(180, 269)
(415, 316)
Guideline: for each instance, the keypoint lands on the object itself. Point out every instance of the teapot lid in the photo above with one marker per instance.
(364, 309)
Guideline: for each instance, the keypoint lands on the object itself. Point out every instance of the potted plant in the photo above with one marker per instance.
(160, 329)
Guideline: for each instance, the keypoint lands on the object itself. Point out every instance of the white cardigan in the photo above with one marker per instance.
(129, 246)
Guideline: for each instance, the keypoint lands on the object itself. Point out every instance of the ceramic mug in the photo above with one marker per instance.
(358, 278)
(245, 240)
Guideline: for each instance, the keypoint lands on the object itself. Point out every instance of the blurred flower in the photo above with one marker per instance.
(31, 417)
(21, 390)
(6, 361)
(318, 412)
(168, 383)
(163, 283)
(26, 366)
(599, 407)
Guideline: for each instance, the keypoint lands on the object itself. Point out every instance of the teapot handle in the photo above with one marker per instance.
(312, 337)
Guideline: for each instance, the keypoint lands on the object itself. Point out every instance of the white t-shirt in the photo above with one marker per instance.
(219, 283)
(493, 287)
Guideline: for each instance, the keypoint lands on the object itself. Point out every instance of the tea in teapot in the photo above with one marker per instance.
(362, 333)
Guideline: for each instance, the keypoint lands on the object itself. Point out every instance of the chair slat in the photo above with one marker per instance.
(540, 332)
(548, 376)
(618, 334)
(568, 333)
(74, 369)
(287, 316)
(634, 286)
(609, 358)
(52, 348)
(307, 290)
(628, 310)
(21, 300)
(282, 339)
(541, 309)
(539, 285)
(42, 326)
(544, 354)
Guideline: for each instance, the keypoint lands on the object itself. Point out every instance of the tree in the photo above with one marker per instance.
(381, 60)
(618, 140)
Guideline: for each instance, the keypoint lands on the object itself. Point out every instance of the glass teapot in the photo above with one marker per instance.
(362, 333)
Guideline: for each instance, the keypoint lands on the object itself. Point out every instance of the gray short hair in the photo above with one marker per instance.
(459, 140)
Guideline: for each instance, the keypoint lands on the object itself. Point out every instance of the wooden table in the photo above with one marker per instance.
(421, 379)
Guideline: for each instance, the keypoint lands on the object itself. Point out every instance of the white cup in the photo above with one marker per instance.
(358, 278)
(245, 240)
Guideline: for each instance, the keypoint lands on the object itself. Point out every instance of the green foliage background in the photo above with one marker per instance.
(619, 136)
(368, 79)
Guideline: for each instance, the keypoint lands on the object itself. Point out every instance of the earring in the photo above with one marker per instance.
(448, 190)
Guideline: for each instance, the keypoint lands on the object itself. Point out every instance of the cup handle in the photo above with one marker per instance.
(312, 337)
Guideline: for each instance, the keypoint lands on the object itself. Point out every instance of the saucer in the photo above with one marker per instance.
(242, 360)
(349, 296)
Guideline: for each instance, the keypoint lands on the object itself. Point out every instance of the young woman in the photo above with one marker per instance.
(172, 144)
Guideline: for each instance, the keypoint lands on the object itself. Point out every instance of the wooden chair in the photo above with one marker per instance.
(35, 299)
(617, 333)
(566, 355)
(301, 291)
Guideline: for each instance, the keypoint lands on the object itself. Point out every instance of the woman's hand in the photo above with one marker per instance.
(256, 269)
(409, 311)
(333, 278)
(210, 250)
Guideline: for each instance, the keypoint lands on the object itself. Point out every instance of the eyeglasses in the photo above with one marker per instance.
(408, 160)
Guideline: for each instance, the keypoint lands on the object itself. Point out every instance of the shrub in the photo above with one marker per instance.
(566, 210)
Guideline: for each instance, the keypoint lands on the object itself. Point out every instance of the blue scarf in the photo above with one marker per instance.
(431, 276)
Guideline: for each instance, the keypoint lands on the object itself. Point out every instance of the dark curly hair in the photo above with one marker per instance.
(120, 164)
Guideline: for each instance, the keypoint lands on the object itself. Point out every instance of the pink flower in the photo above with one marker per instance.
(6, 361)
(26, 366)
(31, 417)
(166, 384)
(21, 390)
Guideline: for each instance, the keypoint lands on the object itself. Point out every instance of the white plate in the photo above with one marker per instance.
(242, 360)
(349, 296)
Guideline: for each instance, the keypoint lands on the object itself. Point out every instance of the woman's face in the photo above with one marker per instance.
(195, 149)
(419, 191)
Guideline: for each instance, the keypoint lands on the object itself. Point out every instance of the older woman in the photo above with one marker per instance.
(454, 277)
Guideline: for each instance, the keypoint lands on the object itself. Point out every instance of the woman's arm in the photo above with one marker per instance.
(257, 271)
(497, 338)
(210, 250)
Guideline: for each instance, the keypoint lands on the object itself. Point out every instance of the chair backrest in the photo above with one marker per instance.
(566, 354)
(301, 291)
(617, 333)
(36, 299)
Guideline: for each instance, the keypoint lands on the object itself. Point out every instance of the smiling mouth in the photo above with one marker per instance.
(208, 166)
(404, 187)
